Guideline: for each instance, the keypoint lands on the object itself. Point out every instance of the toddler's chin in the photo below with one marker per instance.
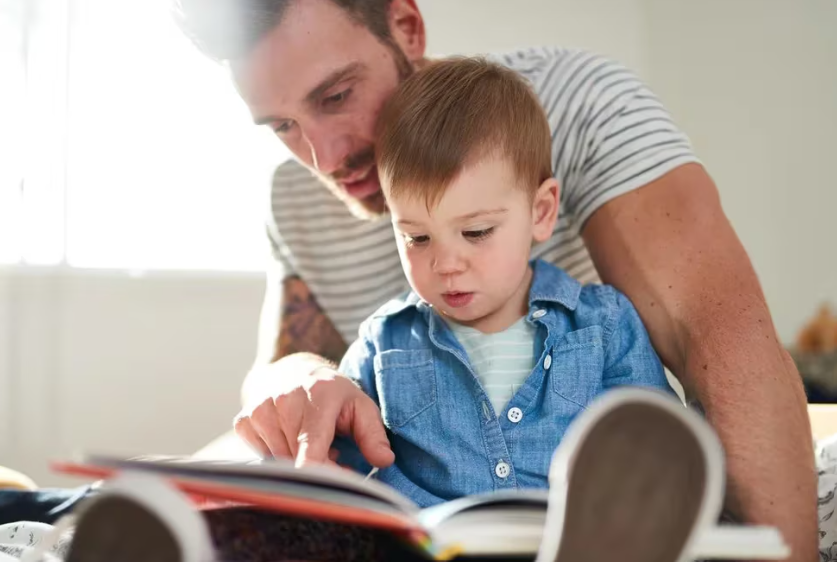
(461, 315)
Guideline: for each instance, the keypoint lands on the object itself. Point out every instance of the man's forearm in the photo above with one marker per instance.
(303, 326)
(670, 248)
(295, 336)
(735, 367)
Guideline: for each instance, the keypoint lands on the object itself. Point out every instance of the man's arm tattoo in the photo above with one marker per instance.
(304, 327)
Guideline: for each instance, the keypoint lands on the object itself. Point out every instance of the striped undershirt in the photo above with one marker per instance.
(610, 135)
(501, 361)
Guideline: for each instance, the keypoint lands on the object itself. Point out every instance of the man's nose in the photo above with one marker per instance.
(329, 148)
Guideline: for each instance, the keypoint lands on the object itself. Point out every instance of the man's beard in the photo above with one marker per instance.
(368, 208)
(374, 206)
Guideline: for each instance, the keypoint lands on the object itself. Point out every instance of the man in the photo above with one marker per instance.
(635, 198)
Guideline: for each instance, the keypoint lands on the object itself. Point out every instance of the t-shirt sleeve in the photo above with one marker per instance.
(281, 263)
(611, 134)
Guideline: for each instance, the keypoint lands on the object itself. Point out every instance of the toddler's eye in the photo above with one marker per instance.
(477, 235)
(419, 240)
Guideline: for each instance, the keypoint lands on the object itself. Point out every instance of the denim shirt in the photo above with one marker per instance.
(447, 439)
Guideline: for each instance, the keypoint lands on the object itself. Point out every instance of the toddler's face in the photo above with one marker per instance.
(469, 256)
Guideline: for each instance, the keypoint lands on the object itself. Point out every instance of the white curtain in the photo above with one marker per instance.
(12, 91)
(130, 150)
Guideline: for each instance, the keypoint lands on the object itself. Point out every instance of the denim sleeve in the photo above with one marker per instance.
(357, 365)
(630, 360)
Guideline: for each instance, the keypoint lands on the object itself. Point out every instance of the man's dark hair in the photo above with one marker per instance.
(227, 29)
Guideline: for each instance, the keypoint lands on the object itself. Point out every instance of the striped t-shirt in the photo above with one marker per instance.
(501, 361)
(610, 135)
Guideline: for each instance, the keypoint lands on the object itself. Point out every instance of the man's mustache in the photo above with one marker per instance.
(357, 161)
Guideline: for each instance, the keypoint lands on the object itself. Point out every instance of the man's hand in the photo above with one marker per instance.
(294, 402)
(298, 416)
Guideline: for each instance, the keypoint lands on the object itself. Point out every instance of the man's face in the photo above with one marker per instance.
(319, 80)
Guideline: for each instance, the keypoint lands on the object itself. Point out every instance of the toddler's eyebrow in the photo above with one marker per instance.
(476, 214)
(469, 216)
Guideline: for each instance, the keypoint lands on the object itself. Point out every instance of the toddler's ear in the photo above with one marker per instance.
(545, 210)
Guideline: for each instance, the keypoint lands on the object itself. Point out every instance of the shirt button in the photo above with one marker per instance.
(540, 313)
(515, 415)
(502, 469)
(547, 363)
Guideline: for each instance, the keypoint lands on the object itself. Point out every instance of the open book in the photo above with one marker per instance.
(507, 524)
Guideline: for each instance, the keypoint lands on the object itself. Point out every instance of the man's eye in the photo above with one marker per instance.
(337, 98)
(283, 127)
(416, 240)
(476, 235)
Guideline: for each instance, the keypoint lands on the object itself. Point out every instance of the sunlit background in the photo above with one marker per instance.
(126, 149)
(133, 189)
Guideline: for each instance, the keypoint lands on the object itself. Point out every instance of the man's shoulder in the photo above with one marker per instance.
(545, 66)
(524, 58)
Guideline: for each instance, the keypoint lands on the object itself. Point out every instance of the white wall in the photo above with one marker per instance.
(102, 361)
(754, 84)
(615, 28)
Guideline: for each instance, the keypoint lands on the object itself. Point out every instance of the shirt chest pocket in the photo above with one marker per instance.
(406, 382)
(577, 368)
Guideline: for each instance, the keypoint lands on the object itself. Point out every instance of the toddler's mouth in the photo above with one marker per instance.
(456, 299)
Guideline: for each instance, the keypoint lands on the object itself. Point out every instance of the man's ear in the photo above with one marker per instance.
(407, 28)
(545, 210)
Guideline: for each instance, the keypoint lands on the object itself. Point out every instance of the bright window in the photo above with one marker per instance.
(148, 159)
(12, 95)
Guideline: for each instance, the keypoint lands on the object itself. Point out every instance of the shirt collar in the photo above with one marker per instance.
(551, 284)
(399, 304)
